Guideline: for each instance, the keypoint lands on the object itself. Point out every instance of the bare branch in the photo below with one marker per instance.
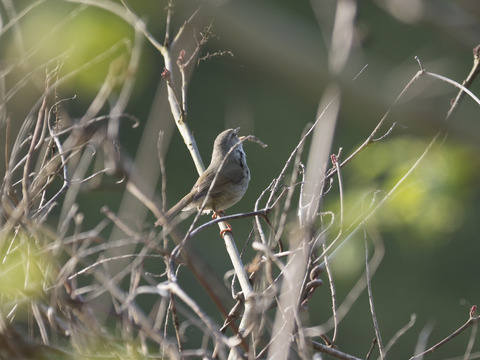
(473, 320)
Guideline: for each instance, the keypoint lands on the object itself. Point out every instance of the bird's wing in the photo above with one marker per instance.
(203, 187)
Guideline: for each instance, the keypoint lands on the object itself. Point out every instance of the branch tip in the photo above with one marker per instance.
(473, 310)
(422, 69)
(476, 52)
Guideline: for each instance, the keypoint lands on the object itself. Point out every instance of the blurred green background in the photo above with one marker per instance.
(271, 87)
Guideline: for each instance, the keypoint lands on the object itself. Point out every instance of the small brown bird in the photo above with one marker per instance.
(230, 184)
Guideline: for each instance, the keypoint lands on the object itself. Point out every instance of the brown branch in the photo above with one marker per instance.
(332, 352)
(378, 336)
(471, 321)
(7, 144)
(33, 143)
(372, 347)
(468, 81)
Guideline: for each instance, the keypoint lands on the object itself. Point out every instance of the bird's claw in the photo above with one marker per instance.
(228, 229)
(219, 214)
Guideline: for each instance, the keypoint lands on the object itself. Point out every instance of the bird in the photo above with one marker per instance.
(230, 185)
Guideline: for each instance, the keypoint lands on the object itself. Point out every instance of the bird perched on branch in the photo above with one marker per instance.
(230, 172)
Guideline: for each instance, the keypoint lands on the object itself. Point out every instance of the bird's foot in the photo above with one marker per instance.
(228, 229)
(219, 214)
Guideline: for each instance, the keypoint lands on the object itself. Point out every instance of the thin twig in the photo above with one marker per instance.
(168, 21)
(468, 81)
(335, 161)
(353, 294)
(291, 189)
(258, 225)
(463, 89)
(471, 321)
(400, 333)
(26, 168)
(372, 347)
(61, 152)
(332, 352)
(370, 301)
(471, 342)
